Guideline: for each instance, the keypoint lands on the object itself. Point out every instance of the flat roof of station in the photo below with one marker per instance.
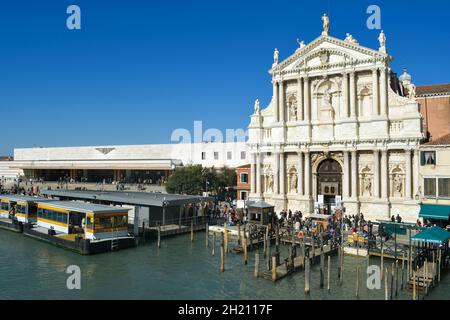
(131, 198)
(18, 197)
(84, 207)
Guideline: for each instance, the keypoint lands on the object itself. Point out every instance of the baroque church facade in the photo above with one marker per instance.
(340, 127)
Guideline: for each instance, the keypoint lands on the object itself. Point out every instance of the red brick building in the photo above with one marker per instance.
(243, 182)
(434, 101)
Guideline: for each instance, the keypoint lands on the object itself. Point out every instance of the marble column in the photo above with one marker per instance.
(345, 95)
(354, 176)
(299, 99)
(352, 94)
(416, 172)
(307, 100)
(376, 174)
(281, 106)
(384, 174)
(258, 174)
(307, 163)
(383, 92)
(282, 174)
(346, 177)
(253, 174)
(276, 173)
(408, 174)
(300, 177)
(275, 100)
(375, 92)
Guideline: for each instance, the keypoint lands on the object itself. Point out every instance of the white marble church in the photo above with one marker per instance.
(340, 125)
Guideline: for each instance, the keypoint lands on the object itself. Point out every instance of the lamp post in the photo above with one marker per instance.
(206, 187)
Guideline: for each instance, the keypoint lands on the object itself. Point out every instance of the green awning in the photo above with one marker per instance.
(432, 235)
(434, 211)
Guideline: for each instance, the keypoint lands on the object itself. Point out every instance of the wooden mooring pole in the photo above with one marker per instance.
(392, 281)
(239, 233)
(265, 242)
(425, 279)
(322, 266)
(402, 282)
(274, 268)
(414, 286)
(357, 282)
(328, 273)
(159, 236)
(222, 259)
(268, 254)
(207, 236)
(382, 262)
(226, 238)
(143, 231)
(396, 278)
(307, 275)
(192, 230)
(213, 244)
(386, 292)
(439, 265)
(256, 264)
(245, 251)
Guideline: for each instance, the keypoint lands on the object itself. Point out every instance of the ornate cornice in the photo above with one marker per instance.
(375, 55)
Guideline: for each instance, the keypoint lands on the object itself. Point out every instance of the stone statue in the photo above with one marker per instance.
(398, 184)
(327, 98)
(270, 182)
(256, 108)
(367, 185)
(382, 39)
(412, 91)
(276, 54)
(301, 43)
(293, 112)
(326, 25)
(293, 185)
(349, 38)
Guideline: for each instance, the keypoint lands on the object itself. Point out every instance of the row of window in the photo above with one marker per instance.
(52, 215)
(229, 155)
(437, 187)
(99, 223)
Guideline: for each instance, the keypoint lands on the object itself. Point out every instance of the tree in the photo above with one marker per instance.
(192, 179)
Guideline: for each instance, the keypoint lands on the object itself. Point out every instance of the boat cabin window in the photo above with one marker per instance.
(110, 222)
(5, 206)
(52, 215)
(20, 208)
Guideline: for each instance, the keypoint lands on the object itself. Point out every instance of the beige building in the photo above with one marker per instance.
(340, 126)
(435, 179)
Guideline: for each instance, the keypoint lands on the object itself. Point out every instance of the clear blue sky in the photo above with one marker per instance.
(139, 69)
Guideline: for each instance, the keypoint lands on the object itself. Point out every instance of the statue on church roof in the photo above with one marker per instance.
(349, 38)
(276, 54)
(256, 108)
(382, 40)
(326, 25)
(300, 43)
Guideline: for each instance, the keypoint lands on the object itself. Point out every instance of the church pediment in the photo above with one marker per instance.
(327, 53)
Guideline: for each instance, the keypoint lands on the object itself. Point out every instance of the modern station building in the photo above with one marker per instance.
(133, 163)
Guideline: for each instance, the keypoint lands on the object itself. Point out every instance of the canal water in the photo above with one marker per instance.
(30, 269)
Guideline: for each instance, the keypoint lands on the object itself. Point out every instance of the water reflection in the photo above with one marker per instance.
(179, 270)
